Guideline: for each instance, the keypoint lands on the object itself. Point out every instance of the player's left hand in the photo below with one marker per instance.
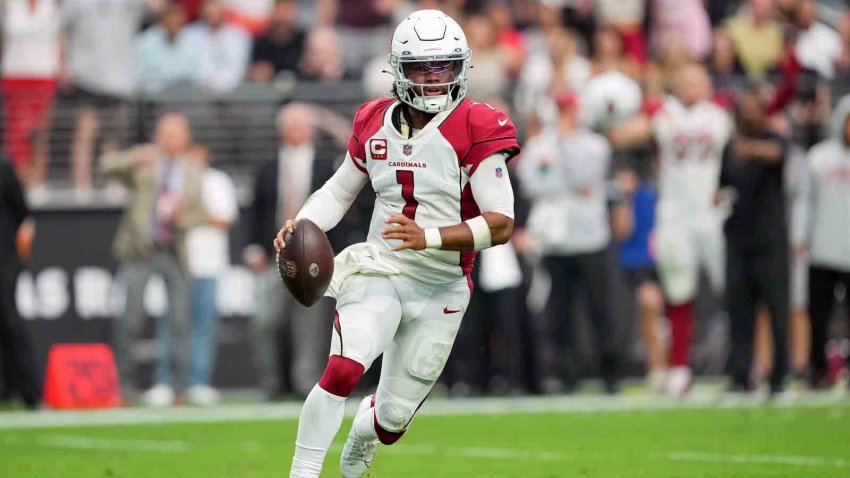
(406, 230)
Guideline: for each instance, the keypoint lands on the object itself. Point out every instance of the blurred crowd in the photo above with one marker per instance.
(665, 142)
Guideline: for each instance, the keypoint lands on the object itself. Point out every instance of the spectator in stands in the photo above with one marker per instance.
(683, 22)
(225, 48)
(208, 248)
(818, 46)
(489, 78)
(31, 66)
(165, 203)
(608, 53)
(281, 47)
(559, 66)
(627, 17)
(322, 58)
(252, 15)
(842, 65)
(726, 72)
(365, 25)
(192, 8)
(16, 234)
(166, 55)
(282, 185)
(100, 75)
(548, 16)
(757, 245)
(824, 231)
(510, 38)
(757, 37)
(565, 171)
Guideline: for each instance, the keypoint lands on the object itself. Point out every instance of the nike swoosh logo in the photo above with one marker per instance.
(447, 311)
(503, 121)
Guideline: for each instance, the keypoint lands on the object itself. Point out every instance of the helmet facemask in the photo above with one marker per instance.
(417, 95)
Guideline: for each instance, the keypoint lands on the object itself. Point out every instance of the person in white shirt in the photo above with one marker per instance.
(166, 55)
(208, 257)
(226, 48)
(822, 230)
(818, 46)
(564, 171)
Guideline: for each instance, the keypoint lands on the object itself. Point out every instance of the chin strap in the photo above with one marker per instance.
(404, 126)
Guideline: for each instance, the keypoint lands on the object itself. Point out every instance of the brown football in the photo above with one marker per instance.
(306, 264)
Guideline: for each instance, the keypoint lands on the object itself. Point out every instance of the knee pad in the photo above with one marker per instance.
(341, 376)
(429, 358)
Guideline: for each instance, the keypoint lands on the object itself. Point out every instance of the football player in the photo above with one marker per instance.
(437, 162)
(690, 132)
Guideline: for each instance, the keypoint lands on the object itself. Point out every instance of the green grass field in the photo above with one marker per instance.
(811, 441)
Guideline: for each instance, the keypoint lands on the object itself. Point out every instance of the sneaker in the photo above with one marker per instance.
(679, 381)
(159, 396)
(357, 454)
(841, 387)
(202, 395)
(656, 382)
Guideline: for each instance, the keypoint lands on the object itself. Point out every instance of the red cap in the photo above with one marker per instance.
(566, 99)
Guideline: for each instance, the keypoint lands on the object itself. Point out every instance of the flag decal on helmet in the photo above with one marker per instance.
(499, 172)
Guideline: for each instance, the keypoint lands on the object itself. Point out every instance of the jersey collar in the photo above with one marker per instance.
(432, 125)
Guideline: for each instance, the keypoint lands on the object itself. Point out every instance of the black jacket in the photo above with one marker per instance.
(13, 210)
(758, 215)
(263, 214)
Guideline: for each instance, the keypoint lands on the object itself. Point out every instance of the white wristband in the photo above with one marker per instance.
(433, 239)
(480, 232)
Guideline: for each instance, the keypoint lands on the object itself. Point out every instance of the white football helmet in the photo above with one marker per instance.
(608, 100)
(429, 39)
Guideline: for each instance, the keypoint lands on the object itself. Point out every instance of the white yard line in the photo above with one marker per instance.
(433, 407)
(794, 460)
(469, 452)
(80, 442)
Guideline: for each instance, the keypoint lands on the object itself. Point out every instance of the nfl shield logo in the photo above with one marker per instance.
(499, 172)
(407, 149)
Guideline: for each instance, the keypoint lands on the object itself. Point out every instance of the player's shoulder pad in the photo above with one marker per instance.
(370, 116)
(476, 131)
(488, 123)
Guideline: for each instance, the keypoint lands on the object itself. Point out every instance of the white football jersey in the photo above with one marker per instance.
(426, 177)
(690, 146)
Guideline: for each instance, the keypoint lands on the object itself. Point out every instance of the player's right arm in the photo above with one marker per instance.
(328, 205)
(633, 132)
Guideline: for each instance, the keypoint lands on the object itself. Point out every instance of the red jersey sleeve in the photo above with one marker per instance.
(367, 122)
(491, 131)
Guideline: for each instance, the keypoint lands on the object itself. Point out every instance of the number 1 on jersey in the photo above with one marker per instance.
(405, 178)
